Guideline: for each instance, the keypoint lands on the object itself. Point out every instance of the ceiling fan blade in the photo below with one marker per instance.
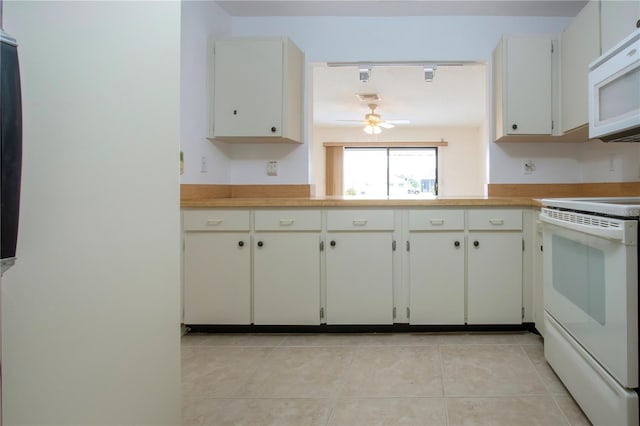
(351, 121)
(386, 125)
(398, 121)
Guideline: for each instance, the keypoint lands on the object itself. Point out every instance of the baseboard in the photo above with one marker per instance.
(358, 328)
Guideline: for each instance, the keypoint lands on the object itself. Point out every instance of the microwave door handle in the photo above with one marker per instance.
(624, 235)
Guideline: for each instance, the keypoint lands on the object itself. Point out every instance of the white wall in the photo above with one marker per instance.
(90, 312)
(610, 162)
(326, 39)
(592, 161)
(249, 163)
(201, 20)
(226, 162)
(460, 164)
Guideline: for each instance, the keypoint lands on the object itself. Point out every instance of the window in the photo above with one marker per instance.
(390, 172)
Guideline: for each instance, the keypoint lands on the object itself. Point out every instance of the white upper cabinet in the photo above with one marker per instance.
(257, 93)
(619, 18)
(522, 85)
(579, 46)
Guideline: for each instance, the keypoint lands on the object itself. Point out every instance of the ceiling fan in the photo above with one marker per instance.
(373, 123)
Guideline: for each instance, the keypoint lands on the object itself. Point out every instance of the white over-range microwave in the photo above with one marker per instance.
(614, 93)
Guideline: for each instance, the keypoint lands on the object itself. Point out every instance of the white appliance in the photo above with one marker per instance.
(614, 93)
(591, 303)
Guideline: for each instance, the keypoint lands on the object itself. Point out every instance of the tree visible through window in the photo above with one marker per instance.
(391, 172)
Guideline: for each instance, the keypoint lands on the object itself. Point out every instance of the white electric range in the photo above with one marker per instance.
(591, 302)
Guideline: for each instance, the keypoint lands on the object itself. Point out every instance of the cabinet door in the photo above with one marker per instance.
(286, 278)
(359, 278)
(538, 281)
(494, 294)
(619, 19)
(436, 276)
(248, 91)
(580, 45)
(528, 86)
(217, 278)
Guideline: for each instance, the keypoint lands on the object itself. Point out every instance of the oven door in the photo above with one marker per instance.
(591, 287)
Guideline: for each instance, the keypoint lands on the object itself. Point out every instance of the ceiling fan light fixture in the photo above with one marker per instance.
(372, 130)
(372, 118)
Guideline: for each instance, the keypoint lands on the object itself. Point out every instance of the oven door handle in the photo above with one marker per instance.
(626, 234)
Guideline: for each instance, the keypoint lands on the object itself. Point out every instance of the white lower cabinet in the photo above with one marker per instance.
(494, 267)
(436, 276)
(359, 266)
(359, 278)
(436, 266)
(537, 279)
(286, 269)
(217, 274)
(268, 267)
(217, 268)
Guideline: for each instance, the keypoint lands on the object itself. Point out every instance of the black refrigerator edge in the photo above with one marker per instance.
(10, 149)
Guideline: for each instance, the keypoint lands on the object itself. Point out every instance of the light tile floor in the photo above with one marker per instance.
(372, 379)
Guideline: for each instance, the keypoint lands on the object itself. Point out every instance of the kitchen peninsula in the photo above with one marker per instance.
(341, 261)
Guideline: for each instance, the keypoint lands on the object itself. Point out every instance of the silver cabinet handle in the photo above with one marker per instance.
(496, 222)
(214, 222)
(359, 222)
(436, 222)
(286, 222)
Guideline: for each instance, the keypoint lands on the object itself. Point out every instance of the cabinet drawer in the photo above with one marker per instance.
(360, 220)
(288, 220)
(436, 220)
(216, 220)
(497, 219)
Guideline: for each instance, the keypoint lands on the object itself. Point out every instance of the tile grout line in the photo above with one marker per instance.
(546, 386)
(535, 368)
(333, 401)
(444, 393)
(564, 416)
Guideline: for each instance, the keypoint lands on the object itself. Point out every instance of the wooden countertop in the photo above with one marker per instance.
(339, 201)
(300, 195)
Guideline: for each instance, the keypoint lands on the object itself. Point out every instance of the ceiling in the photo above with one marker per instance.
(403, 8)
(455, 97)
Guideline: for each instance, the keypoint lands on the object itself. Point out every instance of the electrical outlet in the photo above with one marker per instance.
(272, 168)
(203, 164)
(528, 167)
